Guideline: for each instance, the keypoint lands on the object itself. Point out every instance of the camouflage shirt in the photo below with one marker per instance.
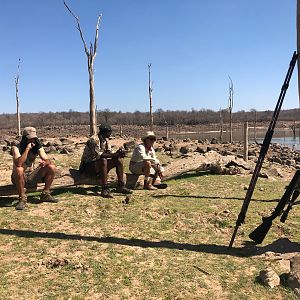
(94, 148)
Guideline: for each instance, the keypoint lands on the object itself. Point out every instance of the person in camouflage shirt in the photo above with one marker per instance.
(98, 159)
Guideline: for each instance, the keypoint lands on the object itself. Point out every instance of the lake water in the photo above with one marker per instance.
(289, 141)
(284, 137)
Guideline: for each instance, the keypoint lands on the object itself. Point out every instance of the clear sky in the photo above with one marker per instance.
(193, 46)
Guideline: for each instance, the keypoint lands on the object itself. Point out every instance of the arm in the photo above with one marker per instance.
(45, 161)
(141, 152)
(19, 159)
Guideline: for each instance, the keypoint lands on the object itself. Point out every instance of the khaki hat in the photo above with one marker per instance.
(149, 134)
(29, 132)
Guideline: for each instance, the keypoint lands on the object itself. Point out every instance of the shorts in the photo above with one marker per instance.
(89, 168)
(31, 178)
(137, 168)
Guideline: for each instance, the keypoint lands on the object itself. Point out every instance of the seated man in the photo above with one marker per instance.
(24, 174)
(144, 161)
(98, 159)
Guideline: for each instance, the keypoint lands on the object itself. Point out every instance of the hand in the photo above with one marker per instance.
(30, 146)
(121, 153)
(44, 163)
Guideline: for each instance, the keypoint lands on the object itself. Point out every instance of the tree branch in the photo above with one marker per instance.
(97, 33)
(79, 28)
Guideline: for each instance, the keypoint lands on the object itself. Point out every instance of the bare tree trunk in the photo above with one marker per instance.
(230, 107)
(150, 88)
(246, 141)
(18, 101)
(93, 120)
(221, 126)
(91, 54)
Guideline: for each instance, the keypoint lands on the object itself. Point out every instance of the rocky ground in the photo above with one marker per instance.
(178, 155)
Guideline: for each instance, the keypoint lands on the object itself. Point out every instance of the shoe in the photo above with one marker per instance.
(123, 190)
(149, 186)
(161, 186)
(47, 197)
(105, 193)
(22, 203)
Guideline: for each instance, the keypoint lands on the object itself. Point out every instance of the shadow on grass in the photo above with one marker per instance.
(282, 245)
(76, 190)
(191, 174)
(211, 197)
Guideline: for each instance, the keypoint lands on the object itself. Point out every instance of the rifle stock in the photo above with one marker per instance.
(259, 234)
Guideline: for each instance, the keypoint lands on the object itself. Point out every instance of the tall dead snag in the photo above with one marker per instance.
(230, 106)
(150, 89)
(91, 54)
(18, 100)
(221, 125)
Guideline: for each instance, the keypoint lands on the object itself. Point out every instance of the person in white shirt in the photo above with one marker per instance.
(144, 161)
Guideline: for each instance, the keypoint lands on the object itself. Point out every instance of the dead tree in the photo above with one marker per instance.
(91, 54)
(221, 125)
(18, 100)
(150, 89)
(230, 106)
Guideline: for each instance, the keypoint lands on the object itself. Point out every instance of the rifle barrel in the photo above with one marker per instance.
(264, 148)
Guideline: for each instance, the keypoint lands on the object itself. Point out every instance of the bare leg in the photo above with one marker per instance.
(102, 170)
(148, 180)
(118, 164)
(20, 181)
(50, 173)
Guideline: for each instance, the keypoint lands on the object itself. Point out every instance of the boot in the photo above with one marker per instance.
(148, 185)
(47, 197)
(121, 188)
(105, 193)
(22, 203)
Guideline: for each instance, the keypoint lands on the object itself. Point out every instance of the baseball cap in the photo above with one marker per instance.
(29, 132)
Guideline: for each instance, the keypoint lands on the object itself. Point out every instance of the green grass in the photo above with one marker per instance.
(167, 244)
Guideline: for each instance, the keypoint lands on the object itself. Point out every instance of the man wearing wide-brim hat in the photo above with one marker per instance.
(144, 161)
(25, 174)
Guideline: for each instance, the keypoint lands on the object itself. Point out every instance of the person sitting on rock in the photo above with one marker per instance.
(144, 161)
(98, 159)
(24, 174)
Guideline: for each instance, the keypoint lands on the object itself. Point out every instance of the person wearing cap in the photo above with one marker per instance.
(25, 174)
(144, 161)
(98, 159)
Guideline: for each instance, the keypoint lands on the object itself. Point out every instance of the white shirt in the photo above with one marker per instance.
(140, 154)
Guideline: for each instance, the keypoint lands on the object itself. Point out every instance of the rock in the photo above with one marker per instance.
(269, 277)
(66, 141)
(183, 150)
(294, 275)
(129, 145)
(50, 149)
(201, 149)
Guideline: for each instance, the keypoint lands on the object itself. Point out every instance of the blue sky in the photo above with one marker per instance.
(193, 46)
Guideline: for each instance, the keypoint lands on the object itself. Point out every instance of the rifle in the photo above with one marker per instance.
(288, 198)
(264, 149)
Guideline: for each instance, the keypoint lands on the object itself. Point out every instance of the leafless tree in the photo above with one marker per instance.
(17, 99)
(221, 124)
(150, 89)
(230, 107)
(91, 54)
